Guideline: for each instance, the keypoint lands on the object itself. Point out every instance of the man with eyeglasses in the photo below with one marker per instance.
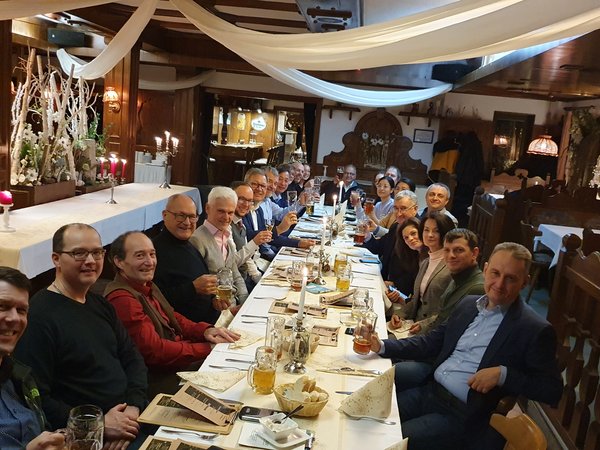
(296, 174)
(181, 272)
(247, 250)
(349, 184)
(76, 345)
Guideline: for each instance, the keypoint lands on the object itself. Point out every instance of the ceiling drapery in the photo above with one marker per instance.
(468, 28)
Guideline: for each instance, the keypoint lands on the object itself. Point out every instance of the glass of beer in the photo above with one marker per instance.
(340, 261)
(85, 428)
(261, 373)
(340, 172)
(359, 235)
(343, 278)
(312, 265)
(225, 285)
(269, 224)
(295, 275)
(292, 197)
(369, 205)
(274, 334)
(362, 333)
(310, 207)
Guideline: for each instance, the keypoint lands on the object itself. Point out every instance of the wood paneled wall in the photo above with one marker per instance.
(5, 101)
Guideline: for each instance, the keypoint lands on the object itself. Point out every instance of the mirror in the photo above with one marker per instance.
(512, 134)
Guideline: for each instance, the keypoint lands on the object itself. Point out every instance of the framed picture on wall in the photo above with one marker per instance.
(423, 136)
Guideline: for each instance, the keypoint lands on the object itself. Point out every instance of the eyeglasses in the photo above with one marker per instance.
(404, 209)
(255, 185)
(81, 254)
(180, 217)
(245, 200)
(350, 173)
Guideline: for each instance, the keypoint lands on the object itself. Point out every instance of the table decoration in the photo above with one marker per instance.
(6, 202)
(168, 152)
(334, 203)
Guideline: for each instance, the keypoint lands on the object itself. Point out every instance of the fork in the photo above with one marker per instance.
(207, 437)
(383, 421)
(214, 366)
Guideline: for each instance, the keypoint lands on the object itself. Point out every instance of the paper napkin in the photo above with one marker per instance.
(374, 399)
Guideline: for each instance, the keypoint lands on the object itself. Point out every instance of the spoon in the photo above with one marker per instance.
(292, 412)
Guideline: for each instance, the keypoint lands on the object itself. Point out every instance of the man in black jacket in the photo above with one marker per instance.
(181, 273)
(22, 419)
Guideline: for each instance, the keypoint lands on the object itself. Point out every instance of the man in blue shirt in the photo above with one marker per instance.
(22, 421)
(491, 347)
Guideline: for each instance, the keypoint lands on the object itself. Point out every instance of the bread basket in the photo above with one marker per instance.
(310, 409)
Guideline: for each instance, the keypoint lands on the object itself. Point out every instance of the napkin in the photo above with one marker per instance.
(224, 319)
(374, 399)
(401, 332)
(213, 380)
(247, 338)
(337, 298)
(322, 200)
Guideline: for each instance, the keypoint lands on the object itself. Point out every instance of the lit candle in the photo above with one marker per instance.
(302, 294)
(167, 138)
(175, 142)
(102, 161)
(6, 198)
(158, 143)
(123, 162)
(341, 186)
(334, 202)
(113, 164)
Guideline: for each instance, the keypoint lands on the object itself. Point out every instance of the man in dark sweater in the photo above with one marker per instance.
(22, 421)
(78, 349)
(181, 273)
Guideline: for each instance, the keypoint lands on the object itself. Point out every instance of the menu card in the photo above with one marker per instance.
(201, 402)
(281, 307)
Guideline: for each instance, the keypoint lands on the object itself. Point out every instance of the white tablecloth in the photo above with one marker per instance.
(333, 430)
(150, 173)
(139, 207)
(552, 237)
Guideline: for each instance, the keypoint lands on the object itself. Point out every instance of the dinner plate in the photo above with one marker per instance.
(295, 438)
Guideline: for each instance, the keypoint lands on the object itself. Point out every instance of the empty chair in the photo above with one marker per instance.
(520, 432)
(541, 260)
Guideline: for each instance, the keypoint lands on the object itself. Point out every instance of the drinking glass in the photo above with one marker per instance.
(312, 265)
(274, 334)
(341, 260)
(225, 285)
(359, 234)
(269, 224)
(343, 278)
(295, 274)
(85, 428)
(369, 205)
(292, 197)
(363, 332)
(340, 172)
(361, 303)
(261, 373)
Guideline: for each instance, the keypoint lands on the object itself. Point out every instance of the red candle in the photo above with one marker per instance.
(6, 198)
(123, 162)
(113, 166)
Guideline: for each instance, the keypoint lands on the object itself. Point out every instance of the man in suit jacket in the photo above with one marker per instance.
(213, 238)
(181, 272)
(490, 347)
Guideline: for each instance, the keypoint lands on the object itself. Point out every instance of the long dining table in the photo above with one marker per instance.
(333, 429)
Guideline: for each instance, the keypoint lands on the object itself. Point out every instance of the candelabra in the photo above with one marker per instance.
(167, 152)
(299, 348)
(323, 260)
(112, 180)
(6, 228)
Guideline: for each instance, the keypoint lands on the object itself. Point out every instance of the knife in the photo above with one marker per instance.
(356, 372)
(239, 360)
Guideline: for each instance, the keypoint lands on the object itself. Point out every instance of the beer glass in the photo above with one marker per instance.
(292, 197)
(363, 332)
(295, 275)
(369, 205)
(261, 373)
(340, 172)
(225, 285)
(361, 230)
(341, 260)
(269, 224)
(274, 334)
(361, 302)
(343, 278)
(85, 428)
(312, 265)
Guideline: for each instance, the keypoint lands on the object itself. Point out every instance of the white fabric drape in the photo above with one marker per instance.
(12, 9)
(359, 97)
(465, 29)
(116, 50)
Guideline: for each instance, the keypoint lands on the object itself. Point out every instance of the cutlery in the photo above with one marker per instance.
(344, 392)
(204, 436)
(238, 360)
(253, 321)
(253, 316)
(214, 366)
(271, 297)
(351, 369)
(291, 413)
(383, 421)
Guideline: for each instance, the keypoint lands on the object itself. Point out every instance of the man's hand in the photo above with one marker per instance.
(217, 335)
(375, 344)
(371, 225)
(263, 237)
(288, 220)
(118, 426)
(395, 321)
(306, 243)
(485, 380)
(47, 441)
(415, 328)
(394, 296)
(220, 305)
(206, 284)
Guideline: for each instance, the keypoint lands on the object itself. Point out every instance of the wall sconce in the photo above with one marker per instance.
(543, 145)
(112, 98)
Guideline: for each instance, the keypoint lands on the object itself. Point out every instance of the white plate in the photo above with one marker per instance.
(296, 438)
(251, 436)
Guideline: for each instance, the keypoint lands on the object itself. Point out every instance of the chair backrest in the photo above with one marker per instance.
(528, 234)
(275, 155)
(486, 221)
(591, 241)
(520, 432)
(574, 312)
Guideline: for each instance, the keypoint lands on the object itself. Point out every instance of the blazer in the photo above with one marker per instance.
(205, 242)
(266, 250)
(525, 343)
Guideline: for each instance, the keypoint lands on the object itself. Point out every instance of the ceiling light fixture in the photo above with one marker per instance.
(543, 145)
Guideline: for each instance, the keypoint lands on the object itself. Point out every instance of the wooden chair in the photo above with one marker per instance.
(275, 155)
(591, 241)
(541, 260)
(486, 221)
(520, 432)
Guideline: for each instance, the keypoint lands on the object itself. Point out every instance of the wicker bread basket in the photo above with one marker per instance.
(310, 409)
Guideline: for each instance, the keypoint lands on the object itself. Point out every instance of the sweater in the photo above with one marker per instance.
(80, 353)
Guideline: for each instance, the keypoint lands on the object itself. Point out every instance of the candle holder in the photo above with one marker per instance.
(323, 259)
(299, 348)
(167, 152)
(6, 228)
(165, 183)
(112, 200)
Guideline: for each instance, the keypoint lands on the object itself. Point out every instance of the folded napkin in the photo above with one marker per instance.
(247, 338)
(322, 200)
(337, 299)
(374, 399)
(213, 380)
(224, 319)
(401, 332)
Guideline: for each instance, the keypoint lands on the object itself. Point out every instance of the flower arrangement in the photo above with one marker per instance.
(49, 117)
